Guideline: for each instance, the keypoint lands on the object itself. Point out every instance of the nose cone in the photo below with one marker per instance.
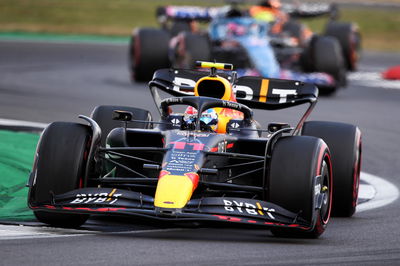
(174, 191)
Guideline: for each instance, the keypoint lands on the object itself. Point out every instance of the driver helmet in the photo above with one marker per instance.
(233, 12)
(208, 119)
(189, 118)
(234, 29)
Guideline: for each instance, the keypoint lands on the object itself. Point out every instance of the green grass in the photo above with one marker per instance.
(17, 150)
(380, 27)
(108, 17)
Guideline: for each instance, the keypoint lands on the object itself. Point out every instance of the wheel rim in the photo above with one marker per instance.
(326, 190)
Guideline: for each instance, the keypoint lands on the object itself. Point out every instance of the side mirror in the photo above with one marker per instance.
(122, 115)
(273, 127)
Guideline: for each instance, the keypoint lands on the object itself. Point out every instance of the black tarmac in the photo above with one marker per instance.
(45, 82)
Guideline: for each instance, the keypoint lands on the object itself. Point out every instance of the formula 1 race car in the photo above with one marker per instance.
(212, 163)
(236, 37)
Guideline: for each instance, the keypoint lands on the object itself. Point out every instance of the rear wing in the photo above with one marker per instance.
(311, 10)
(255, 92)
(206, 14)
(189, 13)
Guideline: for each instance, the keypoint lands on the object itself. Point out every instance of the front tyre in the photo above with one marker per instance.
(60, 165)
(324, 54)
(349, 38)
(300, 181)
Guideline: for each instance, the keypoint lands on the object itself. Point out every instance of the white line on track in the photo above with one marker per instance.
(373, 79)
(366, 192)
(8, 232)
(385, 192)
(10, 122)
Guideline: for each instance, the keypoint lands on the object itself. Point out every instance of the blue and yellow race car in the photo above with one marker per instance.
(248, 43)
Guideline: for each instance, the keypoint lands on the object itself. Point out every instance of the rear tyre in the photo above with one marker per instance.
(148, 52)
(191, 48)
(344, 142)
(60, 167)
(296, 163)
(349, 38)
(103, 116)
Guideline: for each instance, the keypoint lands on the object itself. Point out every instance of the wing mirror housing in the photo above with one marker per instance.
(273, 127)
(122, 115)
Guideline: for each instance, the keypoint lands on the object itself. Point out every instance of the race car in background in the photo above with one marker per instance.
(235, 37)
(289, 179)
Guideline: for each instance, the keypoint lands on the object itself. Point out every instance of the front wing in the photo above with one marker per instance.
(109, 201)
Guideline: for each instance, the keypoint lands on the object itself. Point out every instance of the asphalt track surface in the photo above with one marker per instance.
(45, 82)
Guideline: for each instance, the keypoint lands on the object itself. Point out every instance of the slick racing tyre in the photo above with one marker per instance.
(191, 47)
(148, 52)
(60, 167)
(103, 116)
(349, 38)
(300, 169)
(324, 55)
(344, 142)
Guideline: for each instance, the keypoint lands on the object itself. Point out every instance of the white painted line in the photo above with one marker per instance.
(385, 192)
(373, 79)
(8, 232)
(11, 122)
(366, 192)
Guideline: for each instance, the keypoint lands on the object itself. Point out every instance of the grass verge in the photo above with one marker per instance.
(17, 150)
(379, 27)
